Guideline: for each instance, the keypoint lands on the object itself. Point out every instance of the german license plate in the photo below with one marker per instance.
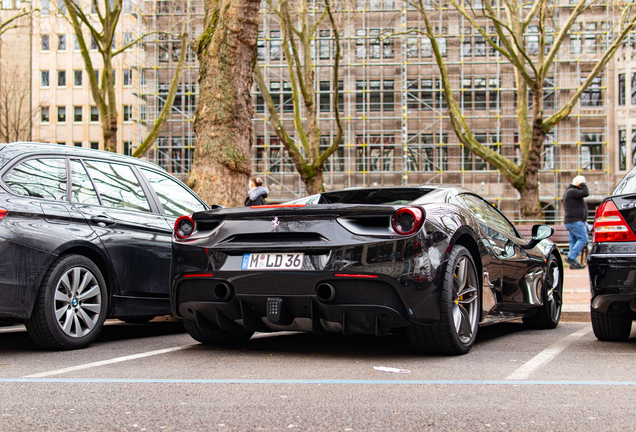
(273, 261)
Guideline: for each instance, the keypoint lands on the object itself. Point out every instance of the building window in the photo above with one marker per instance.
(493, 85)
(77, 78)
(61, 6)
(575, 44)
(97, 76)
(375, 103)
(127, 113)
(94, 114)
(95, 145)
(467, 87)
(324, 103)
(274, 45)
(324, 45)
(93, 43)
(61, 78)
(361, 44)
(127, 148)
(44, 82)
(61, 114)
(261, 47)
(590, 38)
(76, 46)
(335, 163)
(411, 47)
(622, 149)
(61, 42)
(480, 47)
(44, 115)
(389, 95)
(46, 43)
(387, 48)
(591, 97)
(532, 40)
(45, 7)
(274, 91)
(480, 94)
(633, 88)
(592, 151)
(127, 77)
(374, 44)
(77, 144)
(77, 114)
(621, 89)
(128, 38)
(288, 102)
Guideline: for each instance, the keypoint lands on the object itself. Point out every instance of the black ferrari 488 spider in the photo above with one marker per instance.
(436, 262)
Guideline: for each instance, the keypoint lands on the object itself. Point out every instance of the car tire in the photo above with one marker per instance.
(71, 306)
(459, 310)
(215, 336)
(549, 315)
(611, 326)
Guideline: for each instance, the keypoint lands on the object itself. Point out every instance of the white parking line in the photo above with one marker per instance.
(111, 361)
(547, 355)
(138, 356)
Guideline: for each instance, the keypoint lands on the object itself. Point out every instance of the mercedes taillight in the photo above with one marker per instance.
(610, 226)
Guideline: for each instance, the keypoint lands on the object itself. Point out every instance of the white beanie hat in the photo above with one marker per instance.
(578, 180)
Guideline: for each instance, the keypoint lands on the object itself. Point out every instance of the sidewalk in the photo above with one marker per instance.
(576, 294)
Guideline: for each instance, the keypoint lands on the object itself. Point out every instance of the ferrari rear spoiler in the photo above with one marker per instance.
(259, 212)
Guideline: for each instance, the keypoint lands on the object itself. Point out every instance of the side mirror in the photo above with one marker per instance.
(539, 232)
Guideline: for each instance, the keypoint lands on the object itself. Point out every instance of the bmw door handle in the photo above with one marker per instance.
(103, 221)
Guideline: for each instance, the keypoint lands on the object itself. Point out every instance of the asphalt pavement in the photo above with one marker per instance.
(155, 377)
(576, 295)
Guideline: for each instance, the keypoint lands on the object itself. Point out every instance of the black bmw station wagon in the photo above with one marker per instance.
(85, 235)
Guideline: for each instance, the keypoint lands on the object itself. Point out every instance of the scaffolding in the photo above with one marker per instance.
(159, 56)
(397, 129)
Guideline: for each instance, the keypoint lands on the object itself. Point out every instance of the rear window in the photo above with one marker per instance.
(627, 185)
(39, 178)
(374, 196)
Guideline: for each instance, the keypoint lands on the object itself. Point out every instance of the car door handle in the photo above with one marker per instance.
(103, 221)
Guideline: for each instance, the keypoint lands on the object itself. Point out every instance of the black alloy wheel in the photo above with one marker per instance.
(459, 310)
(549, 315)
(71, 306)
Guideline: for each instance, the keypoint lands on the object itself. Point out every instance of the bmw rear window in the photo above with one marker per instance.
(627, 185)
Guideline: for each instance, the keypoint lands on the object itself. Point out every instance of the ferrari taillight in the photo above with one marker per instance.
(407, 220)
(184, 227)
(3, 213)
(610, 226)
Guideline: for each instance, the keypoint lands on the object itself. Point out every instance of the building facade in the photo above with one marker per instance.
(397, 129)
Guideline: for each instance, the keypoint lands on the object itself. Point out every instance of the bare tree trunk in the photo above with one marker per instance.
(314, 183)
(223, 123)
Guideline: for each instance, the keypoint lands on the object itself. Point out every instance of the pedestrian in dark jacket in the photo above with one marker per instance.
(575, 219)
(257, 194)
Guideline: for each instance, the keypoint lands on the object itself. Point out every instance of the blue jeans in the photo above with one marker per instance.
(578, 238)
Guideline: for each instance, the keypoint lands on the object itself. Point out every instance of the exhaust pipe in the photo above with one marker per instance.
(325, 292)
(222, 292)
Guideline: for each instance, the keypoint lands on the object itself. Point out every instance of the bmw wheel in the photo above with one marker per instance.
(71, 306)
(548, 316)
(459, 310)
